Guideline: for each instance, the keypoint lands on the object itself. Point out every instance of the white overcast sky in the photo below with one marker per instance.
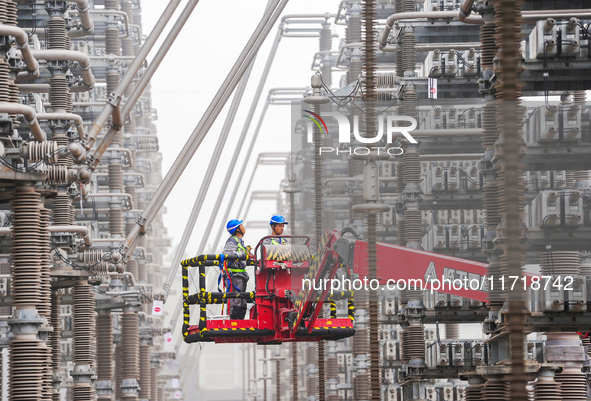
(187, 81)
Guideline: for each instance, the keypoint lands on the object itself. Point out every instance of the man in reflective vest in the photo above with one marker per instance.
(277, 227)
(237, 269)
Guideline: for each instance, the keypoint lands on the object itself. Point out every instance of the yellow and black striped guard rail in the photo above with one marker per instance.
(336, 296)
(214, 260)
(219, 297)
(202, 261)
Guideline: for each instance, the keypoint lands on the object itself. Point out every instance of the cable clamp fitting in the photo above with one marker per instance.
(141, 220)
(114, 99)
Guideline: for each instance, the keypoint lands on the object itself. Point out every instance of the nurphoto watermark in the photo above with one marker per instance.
(483, 283)
(390, 127)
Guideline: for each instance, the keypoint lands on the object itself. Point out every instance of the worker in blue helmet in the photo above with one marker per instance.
(277, 227)
(237, 269)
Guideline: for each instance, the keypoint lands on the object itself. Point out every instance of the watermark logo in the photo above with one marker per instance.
(388, 124)
(316, 119)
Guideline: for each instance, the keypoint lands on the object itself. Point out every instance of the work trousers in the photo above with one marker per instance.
(238, 306)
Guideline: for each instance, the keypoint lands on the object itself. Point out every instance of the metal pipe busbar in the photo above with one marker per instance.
(30, 117)
(115, 98)
(201, 130)
(96, 156)
(22, 41)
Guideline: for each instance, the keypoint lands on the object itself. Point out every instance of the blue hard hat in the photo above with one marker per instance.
(278, 220)
(233, 225)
